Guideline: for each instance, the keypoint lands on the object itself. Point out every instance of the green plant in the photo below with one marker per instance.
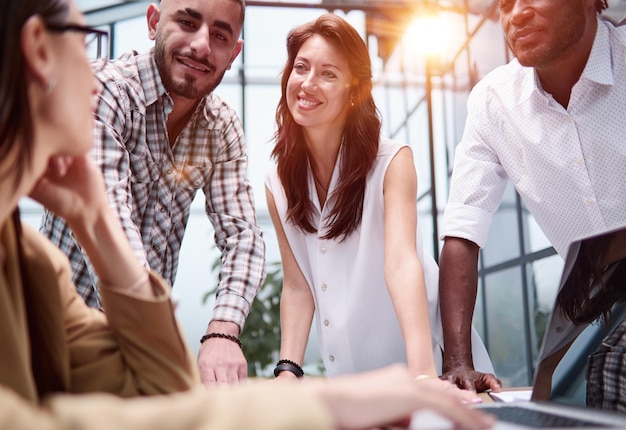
(261, 334)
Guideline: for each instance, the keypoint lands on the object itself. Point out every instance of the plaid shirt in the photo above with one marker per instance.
(606, 372)
(151, 185)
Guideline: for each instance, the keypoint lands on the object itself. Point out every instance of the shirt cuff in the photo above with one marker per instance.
(231, 308)
(466, 222)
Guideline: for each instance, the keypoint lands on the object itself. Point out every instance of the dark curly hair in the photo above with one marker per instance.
(601, 5)
(591, 290)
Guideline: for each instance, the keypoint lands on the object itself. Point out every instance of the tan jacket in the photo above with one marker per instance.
(135, 348)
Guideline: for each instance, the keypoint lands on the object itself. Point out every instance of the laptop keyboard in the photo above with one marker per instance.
(537, 419)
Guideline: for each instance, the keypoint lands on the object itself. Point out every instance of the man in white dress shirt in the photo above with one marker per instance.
(553, 122)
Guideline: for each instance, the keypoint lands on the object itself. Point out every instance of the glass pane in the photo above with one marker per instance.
(503, 240)
(506, 327)
(536, 240)
(130, 34)
(274, 24)
(425, 224)
(479, 312)
(397, 109)
(231, 94)
(487, 48)
(98, 44)
(269, 50)
(261, 101)
(30, 212)
(543, 282)
(418, 131)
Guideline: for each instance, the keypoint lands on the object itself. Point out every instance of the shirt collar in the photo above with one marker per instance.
(330, 197)
(150, 78)
(599, 66)
(529, 84)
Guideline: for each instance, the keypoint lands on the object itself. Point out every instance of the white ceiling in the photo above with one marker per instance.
(105, 11)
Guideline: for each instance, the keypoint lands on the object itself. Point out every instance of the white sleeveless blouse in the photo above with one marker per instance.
(357, 327)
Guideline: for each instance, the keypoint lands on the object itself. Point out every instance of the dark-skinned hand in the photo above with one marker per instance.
(470, 379)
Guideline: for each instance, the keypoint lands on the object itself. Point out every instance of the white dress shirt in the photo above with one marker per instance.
(568, 165)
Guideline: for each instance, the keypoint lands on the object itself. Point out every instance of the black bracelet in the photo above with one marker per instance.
(222, 336)
(289, 366)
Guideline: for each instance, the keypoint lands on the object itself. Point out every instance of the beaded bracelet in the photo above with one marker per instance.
(222, 336)
(289, 366)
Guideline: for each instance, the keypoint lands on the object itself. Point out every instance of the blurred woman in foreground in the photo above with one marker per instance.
(64, 365)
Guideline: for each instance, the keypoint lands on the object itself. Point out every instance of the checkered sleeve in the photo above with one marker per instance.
(114, 127)
(111, 156)
(59, 233)
(606, 372)
(230, 207)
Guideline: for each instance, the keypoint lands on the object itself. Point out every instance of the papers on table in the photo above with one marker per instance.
(512, 396)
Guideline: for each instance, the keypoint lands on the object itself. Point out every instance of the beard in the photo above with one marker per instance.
(569, 29)
(189, 87)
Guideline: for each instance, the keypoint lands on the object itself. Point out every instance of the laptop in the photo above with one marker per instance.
(561, 366)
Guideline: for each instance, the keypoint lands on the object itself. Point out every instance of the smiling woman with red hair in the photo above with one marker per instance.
(343, 203)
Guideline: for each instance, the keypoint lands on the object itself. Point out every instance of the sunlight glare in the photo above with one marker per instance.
(427, 33)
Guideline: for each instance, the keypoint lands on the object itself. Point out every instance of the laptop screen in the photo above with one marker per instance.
(563, 356)
(561, 365)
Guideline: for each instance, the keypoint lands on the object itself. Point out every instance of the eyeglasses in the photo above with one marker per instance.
(96, 40)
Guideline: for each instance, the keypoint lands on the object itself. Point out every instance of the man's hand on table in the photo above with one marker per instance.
(470, 379)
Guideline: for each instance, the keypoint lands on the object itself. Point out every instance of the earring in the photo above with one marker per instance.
(50, 85)
(351, 103)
